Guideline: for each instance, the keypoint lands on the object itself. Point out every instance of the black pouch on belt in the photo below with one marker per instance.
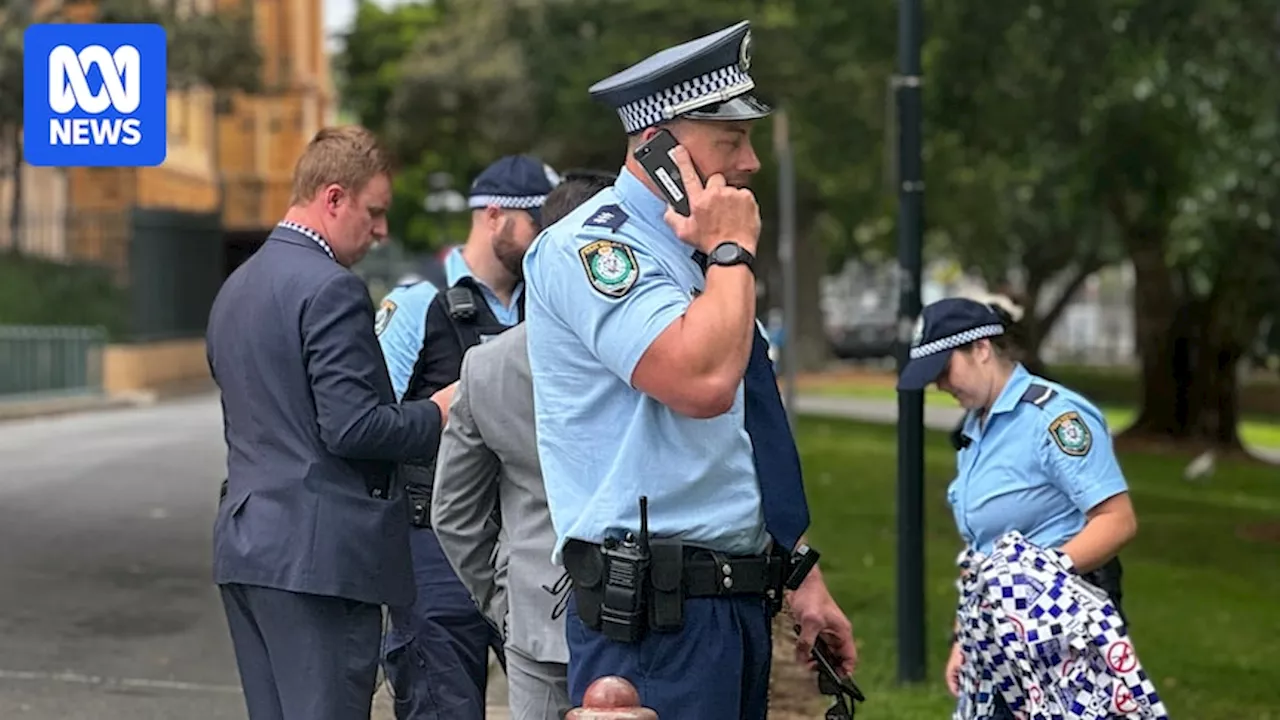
(419, 504)
(666, 580)
(585, 565)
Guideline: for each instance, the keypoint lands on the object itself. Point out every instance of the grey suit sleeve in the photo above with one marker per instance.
(343, 358)
(466, 489)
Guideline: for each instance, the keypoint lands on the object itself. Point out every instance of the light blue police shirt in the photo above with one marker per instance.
(1034, 468)
(601, 442)
(402, 318)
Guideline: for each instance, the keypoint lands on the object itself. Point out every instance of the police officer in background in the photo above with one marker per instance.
(310, 538)
(1033, 456)
(506, 203)
(437, 652)
(652, 380)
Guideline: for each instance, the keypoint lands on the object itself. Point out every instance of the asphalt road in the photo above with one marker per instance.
(107, 610)
(107, 606)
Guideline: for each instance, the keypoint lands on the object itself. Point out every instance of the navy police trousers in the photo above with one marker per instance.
(303, 657)
(437, 653)
(715, 668)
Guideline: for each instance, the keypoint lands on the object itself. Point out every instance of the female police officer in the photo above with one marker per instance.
(1032, 456)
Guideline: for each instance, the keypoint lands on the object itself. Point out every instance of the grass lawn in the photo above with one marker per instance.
(1260, 432)
(1202, 581)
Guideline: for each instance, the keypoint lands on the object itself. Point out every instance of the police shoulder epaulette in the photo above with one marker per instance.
(1038, 395)
(607, 216)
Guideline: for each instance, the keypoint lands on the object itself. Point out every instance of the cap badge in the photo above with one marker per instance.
(744, 53)
(917, 335)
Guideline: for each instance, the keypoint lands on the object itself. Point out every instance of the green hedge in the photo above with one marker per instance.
(39, 292)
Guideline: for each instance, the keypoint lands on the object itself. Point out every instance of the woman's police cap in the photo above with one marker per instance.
(944, 326)
(703, 79)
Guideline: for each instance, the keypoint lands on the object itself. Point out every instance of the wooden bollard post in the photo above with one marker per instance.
(611, 698)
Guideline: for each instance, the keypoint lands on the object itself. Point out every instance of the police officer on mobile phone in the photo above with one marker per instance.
(652, 381)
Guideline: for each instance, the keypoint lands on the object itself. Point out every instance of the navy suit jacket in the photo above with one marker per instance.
(313, 431)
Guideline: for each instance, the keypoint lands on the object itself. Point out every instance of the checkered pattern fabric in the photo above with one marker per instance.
(951, 342)
(1052, 645)
(315, 236)
(716, 86)
(506, 201)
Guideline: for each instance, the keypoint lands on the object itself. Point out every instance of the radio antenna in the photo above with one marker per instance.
(644, 519)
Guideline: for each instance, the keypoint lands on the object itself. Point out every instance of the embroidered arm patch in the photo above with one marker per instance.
(1071, 434)
(383, 318)
(610, 266)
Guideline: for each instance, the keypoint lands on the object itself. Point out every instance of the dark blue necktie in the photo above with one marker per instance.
(786, 512)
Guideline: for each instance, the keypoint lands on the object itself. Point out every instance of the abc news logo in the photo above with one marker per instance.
(94, 95)
(69, 89)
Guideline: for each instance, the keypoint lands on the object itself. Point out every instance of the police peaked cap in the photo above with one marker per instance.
(944, 326)
(703, 79)
(518, 182)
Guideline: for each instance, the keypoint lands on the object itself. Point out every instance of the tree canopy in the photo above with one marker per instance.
(1062, 136)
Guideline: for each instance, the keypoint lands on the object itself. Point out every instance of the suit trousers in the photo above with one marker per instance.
(303, 657)
(714, 668)
(437, 653)
(536, 690)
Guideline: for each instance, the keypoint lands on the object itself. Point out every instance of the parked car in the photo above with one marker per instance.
(869, 339)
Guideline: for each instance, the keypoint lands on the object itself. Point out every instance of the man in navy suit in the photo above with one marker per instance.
(311, 536)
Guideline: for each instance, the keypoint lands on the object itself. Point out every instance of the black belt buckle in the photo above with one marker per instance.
(777, 572)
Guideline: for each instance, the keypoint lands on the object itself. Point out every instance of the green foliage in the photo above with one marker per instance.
(367, 71)
(1199, 580)
(1060, 136)
(217, 50)
(39, 292)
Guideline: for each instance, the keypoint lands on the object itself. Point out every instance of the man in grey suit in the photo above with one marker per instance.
(311, 536)
(489, 454)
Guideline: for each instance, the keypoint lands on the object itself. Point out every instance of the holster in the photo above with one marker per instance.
(585, 565)
(666, 583)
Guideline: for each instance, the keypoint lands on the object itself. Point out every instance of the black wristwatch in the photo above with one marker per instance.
(731, 253)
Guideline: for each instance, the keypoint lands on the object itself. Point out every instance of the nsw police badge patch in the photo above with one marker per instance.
(384, 317)
(1071, 434)
(610, 266)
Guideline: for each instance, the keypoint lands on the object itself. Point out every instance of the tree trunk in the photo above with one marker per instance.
(1190, 386)
(813, 349)
(1036, 324)
(1214, 404)
(1161, 330)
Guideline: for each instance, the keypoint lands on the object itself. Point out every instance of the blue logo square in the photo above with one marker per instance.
(94, 95)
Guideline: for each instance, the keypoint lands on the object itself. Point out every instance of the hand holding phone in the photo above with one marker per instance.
(843, 691)
(716, 213)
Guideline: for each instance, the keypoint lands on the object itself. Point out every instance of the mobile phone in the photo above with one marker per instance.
(830, 681)
(655, 157)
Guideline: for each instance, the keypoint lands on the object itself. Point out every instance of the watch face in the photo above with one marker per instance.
(726, 253)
